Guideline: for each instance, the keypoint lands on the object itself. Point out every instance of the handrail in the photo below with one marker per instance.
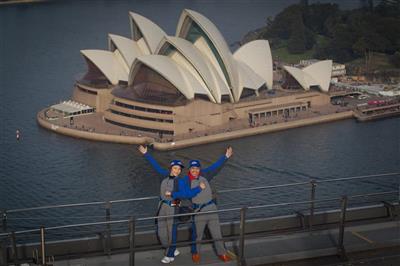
(373, 194)
(219, 191)
(56, 206)
(356, 177)
(195, 213)
(262, 187)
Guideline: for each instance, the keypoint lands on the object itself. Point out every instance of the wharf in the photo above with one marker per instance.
(373, 113)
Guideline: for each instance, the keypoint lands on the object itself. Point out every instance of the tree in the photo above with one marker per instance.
(316, 15)
(297, 40)
(281, 26)
(369, 43)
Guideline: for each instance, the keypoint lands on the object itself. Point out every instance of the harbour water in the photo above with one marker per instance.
(40, 59)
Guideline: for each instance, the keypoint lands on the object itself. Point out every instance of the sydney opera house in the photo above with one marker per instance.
(165, 87)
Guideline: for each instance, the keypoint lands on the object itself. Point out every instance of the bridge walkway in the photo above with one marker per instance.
(274, 248)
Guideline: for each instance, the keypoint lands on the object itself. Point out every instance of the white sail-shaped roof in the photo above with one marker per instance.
(217, 41)
(317, 74)
(248, 78)
(181, 78)
(302, 78)
(128, 48)
(151, 32)
(196, 61)
(204, 67)
(321, 73)
(257, 55)
(109, 63)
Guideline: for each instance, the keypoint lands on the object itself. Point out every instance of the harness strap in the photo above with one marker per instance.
(171, 203)
(199, 207)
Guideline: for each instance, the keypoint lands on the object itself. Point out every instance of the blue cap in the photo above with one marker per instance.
(194, 163)
(176, 162)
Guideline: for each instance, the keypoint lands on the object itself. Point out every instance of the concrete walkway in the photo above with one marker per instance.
(271, 249)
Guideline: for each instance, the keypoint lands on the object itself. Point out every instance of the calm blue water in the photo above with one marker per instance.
(40, 57)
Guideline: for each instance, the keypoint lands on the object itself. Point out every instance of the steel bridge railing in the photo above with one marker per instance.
(131, 224)
(312, 182)
(4, 214)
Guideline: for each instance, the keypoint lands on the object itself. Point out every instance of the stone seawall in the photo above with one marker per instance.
(92, 135)
(164, 146)
(252, 131)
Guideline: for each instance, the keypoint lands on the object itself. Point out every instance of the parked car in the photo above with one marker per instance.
(376, 102)
(363, 96)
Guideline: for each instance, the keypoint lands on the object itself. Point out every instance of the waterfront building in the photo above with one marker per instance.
(191, 84)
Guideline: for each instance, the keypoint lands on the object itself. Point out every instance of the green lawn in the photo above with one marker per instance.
(282, 54)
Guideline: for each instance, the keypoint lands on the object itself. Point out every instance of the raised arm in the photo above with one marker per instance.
(213, 169)
(162, 171)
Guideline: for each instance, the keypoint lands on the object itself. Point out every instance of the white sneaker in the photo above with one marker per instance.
(167, 259)
(176, 252)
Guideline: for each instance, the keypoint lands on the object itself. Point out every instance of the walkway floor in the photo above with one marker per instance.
(277, 248)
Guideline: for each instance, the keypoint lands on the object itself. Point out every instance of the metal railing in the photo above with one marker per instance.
(312, 184)
(132, 222)
(4, 214)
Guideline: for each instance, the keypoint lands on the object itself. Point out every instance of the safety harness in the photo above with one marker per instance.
(199, 207)
(172, 203)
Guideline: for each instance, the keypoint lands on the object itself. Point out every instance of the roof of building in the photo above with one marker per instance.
(257, 55)
(128, 48)
(151, 32)
(71, 107)
(321, 72)
(202, 64)
(218, 41)
(177, 75)
(111, 64)
(248, 78)
(317, 74)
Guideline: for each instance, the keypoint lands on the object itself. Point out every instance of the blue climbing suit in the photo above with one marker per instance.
(167, 207)
(202, 201)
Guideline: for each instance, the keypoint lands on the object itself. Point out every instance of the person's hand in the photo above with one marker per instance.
(202, 185)
(142, 149)
(229, 152)
(168, 193)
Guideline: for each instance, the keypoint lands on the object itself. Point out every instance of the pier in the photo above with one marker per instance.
(368, 113)
(338, 228)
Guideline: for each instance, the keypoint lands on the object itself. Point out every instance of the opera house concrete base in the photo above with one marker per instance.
(177, 144)
(252, 131)
(90, 135)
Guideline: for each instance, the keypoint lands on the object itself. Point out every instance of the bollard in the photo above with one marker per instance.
(341, 250)
(241, 259)
(311, 217)
(14, 251)
(132, 229)
(42, 246)
(108, 231)
(4, 220)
